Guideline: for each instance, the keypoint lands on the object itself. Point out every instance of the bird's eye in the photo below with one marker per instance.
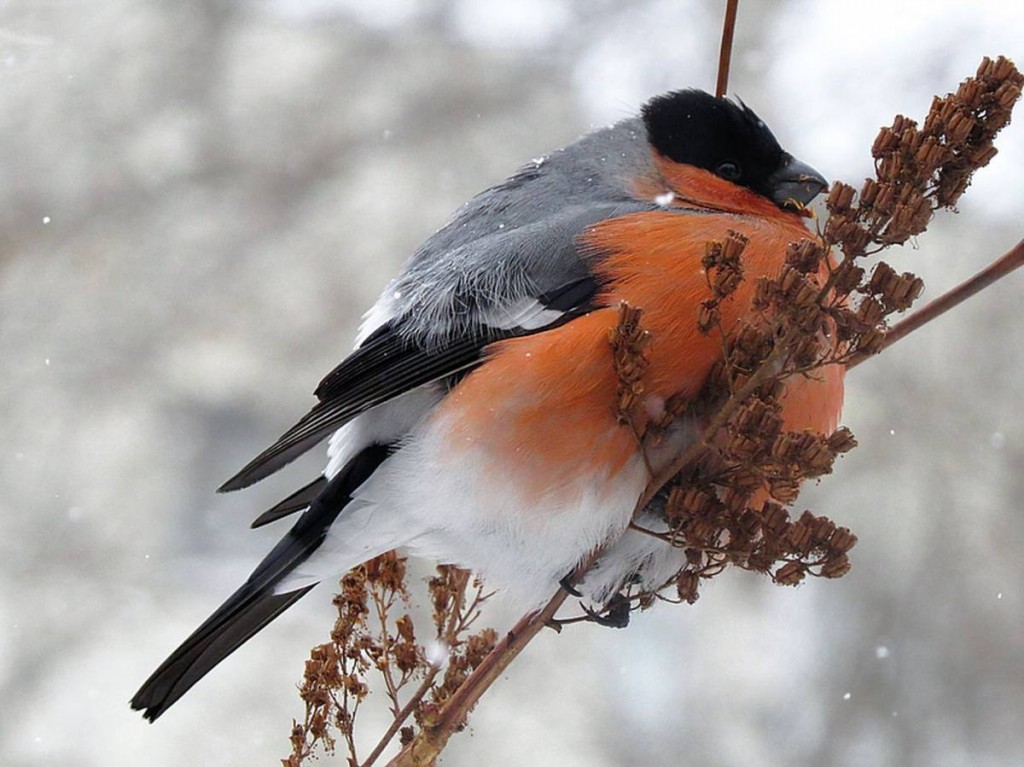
(728, 170)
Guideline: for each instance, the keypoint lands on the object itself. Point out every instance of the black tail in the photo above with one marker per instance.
(223, 633)
(255, 604)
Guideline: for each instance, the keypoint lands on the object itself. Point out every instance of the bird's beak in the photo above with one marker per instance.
(795, 184)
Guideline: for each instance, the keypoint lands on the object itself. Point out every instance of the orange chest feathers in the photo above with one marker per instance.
(543, 407)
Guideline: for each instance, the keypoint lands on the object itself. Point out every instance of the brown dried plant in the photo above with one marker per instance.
(726, 500)
(368, 638)
(726, 503)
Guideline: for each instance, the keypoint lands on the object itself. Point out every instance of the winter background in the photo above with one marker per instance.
(199, 199)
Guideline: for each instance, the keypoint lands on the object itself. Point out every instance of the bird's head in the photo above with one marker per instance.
(727, 139)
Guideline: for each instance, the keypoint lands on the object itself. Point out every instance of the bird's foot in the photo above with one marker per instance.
(615, 614)
(566, 584)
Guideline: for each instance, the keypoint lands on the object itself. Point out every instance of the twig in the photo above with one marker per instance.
(431, 741)
(725, 53)
(455, 624)
(382, 607)
(990, 274)
(407, 710)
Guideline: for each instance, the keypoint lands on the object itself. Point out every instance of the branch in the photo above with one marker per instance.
(448, 635)
(725, 53)
(995, 271)
(430, 741)
(402, 716)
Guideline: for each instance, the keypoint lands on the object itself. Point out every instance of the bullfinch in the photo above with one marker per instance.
(475, 422)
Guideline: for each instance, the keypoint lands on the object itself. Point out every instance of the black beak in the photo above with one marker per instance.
(795, 184)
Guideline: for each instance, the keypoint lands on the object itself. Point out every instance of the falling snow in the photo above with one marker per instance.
(437, 654)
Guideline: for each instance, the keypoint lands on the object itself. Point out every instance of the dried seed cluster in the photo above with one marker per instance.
(333, 685)
(368, 637)
(728, 504)
(447, 591)
(629, 343)
(723, 517)
(724, 269)
(918, 170)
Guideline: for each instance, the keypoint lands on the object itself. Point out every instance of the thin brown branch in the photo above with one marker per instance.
(431, 740)
(382, 607)
(400, 718)
(995, 271)
(454, 625)
(725, 53)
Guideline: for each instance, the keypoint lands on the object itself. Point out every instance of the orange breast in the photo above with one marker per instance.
(542, 408)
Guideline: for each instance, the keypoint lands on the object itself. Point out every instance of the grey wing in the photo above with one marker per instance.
(447, 312)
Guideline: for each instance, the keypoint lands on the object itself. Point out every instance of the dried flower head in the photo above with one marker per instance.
(728, 503)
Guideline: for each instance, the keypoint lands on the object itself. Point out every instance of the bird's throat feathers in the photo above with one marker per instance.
(675, 185)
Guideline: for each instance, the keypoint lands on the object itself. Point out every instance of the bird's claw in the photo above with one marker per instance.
(615, 614)
(567, 586)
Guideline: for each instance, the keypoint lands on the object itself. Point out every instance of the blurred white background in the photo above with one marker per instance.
(199, 199)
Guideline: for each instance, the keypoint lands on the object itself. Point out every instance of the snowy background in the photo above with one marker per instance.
(199, 199)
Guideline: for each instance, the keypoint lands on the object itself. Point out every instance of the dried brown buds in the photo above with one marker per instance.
(629, 343)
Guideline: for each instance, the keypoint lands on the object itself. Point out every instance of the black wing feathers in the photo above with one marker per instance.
(255, 604)
(574, 298)
(391, 365)
(388, 364)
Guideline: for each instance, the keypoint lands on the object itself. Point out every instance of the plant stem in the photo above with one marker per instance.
(431, 740)
(990, 274)
(725, 53)
(403, 715)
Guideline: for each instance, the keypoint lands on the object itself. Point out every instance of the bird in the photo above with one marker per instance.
(474, 423)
